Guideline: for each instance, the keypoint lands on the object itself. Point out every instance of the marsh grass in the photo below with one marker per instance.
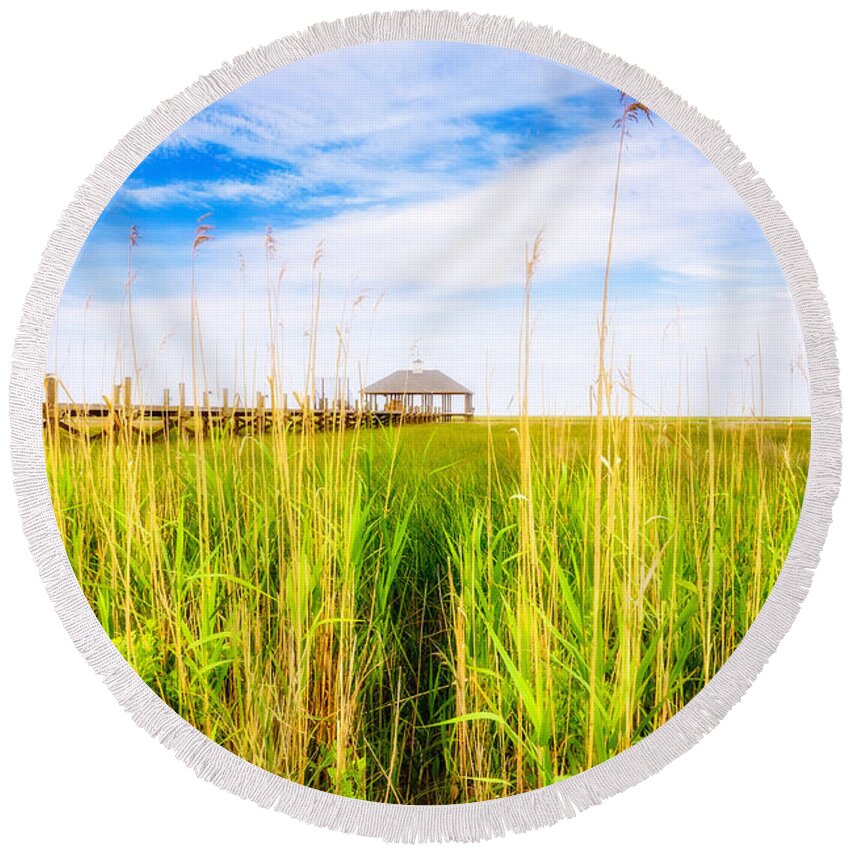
(363, 612)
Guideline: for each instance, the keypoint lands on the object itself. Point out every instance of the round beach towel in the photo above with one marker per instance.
(432, 424)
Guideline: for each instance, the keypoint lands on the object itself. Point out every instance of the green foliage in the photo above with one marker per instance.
(407, 615)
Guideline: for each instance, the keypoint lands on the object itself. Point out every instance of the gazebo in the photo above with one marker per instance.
(419, 390)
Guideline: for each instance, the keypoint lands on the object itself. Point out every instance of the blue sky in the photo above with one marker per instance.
(423, 169)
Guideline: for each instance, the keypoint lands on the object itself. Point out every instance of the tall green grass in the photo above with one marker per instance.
(373, 612)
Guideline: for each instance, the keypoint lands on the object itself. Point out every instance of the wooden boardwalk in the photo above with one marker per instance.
(95, 421)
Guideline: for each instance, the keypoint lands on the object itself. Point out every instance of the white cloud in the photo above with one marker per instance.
(475, 238)
(403, 94)
(388, 122)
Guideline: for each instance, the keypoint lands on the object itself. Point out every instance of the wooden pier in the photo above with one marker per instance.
(188, 417)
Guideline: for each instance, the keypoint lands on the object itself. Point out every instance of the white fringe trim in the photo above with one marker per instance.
(410, 823)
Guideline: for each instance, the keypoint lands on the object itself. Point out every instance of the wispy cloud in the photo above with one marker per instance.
(383, 126)
(402, 99)
(474, 239)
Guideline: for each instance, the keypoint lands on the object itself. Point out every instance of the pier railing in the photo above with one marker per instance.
(121, 413)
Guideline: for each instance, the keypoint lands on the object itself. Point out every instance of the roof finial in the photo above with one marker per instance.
(416, 366)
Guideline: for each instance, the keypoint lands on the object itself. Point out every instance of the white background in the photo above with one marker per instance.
(76, 77)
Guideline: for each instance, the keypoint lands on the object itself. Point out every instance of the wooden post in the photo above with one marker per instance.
(128, 395)
(51, 406)
(206, 419)
(166, 397)
(261, 412)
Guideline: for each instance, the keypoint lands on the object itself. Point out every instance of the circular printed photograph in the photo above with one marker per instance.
(426, 422)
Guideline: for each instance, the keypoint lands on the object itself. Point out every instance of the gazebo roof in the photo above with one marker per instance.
(410, 382)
